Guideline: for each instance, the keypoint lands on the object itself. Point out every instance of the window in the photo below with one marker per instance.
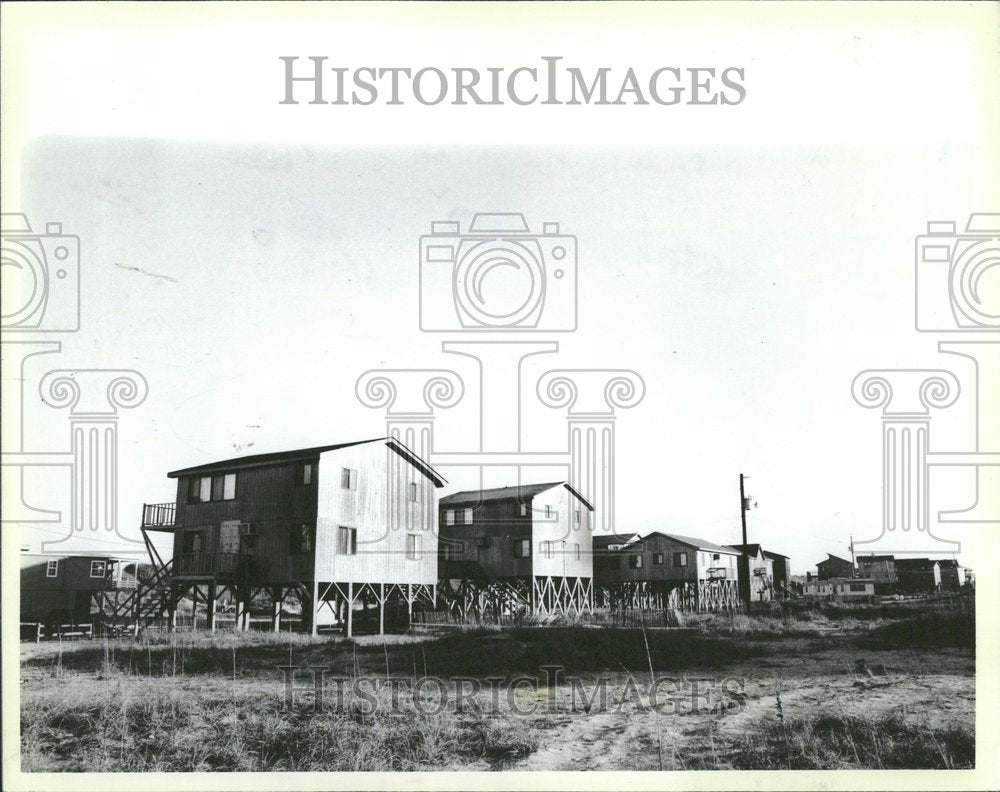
(547, 549)
(468, 516)
(212, 488)
(680, 559)
(577, 516)
(548, 512)
(449, 517)
(348, 479)
(452, 549)
(522, 548)
(413, 546)
(577, 547)
(306, 474)
(347, 540)
(97, 569)
(858, 587)
(635, 561)
(52, 568)
(715, 556)
(524, 509)
(300, 539)
(657, 558)
(191, 542)
(414, 491)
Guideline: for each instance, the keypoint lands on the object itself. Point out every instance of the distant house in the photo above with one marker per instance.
(68, 589)
(833, 567)
(756, 573)
(842, 589)
(606, 549)
(781, 574)
(953, 576)
(663, 570)
(917, 576)
(520, 546)
(881, 569)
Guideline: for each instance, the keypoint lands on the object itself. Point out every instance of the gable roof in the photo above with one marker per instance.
(831, 557)
(604, 540)
(752, 549)
(694, 541)
(773, 555)
(305, 454)
(516, 492)
(874, 557)
(916, 564)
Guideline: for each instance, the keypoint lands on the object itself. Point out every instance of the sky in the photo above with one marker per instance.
(252, 284)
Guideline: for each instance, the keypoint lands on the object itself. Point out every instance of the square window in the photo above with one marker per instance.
(300, 539)
(680, 559)
(191, 542)
(413, 546)
(97, 569)
(657, 558)
(468, 516)
(522, 548)
(635, 561)
(52, 568)
(449, 517)
(229, 487)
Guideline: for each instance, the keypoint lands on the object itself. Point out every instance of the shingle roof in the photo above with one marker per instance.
(694, 541)
(516, 492)
(278, 457)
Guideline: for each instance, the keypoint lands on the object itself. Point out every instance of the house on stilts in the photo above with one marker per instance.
(342, 526)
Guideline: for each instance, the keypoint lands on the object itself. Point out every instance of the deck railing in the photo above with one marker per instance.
(159, 515)
(206, 564)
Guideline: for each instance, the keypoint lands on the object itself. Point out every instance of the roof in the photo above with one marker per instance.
(604, 540)
(831, 557)
(873, 557)
(772, 554)
(751, 549)
(915, 564)
(516, 492)
(304, 454)
(694, 541)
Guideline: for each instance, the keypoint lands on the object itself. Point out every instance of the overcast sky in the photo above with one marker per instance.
(748, 286)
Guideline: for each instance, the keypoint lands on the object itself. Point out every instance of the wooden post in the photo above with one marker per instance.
(210, 607)
(172, 608)
(278, 596)
(350, 609)
(409, 604)
(313, 626)
(381, 608)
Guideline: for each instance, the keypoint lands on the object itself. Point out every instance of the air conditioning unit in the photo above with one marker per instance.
(245, 529)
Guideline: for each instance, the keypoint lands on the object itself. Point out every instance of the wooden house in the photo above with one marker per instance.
(833, 567)
(527, 546)
(663, 570)
(881, 569)
(68, 590)
(955, 577)
(917, 576)
(780, 572)
(343, 525)
(756, 573)
(841, 589)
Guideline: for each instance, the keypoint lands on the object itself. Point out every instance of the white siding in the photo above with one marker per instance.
(378, 506)
(564, 533)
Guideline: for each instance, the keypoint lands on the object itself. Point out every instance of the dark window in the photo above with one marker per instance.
(635, 561)
(657, 558)
(680, 559)
(97, 569)
(348, 478)
(305, 474)
(522, 548)
(858, 587)
(347, 540)
(191, 542)
(217, 488)
(300, 539)
(452, 549)
(212, 488)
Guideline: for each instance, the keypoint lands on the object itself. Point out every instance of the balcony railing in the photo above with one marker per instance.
(159, 515)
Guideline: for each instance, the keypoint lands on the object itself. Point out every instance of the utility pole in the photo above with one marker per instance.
(743, 509)
(854, 568)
